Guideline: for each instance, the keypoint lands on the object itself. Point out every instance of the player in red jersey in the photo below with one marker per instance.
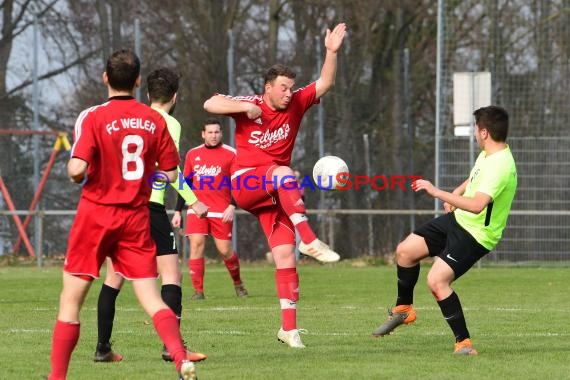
(262, 181)
(116, 149)
(208, 167)
(162, 86)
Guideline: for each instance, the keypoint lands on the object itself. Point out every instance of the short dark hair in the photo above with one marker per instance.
(211, 120)
(278, 70)
(162, 84)
(495, 120)
(123, 69)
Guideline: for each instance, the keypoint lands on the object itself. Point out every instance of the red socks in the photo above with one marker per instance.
(166, 325)
(292, 203)
(196, 268)
(232, 264)
(287, 282)
(64, 340)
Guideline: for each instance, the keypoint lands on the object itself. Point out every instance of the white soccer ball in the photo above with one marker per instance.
(327, 172)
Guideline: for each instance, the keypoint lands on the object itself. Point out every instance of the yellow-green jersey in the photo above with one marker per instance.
(496, 176)
(157, 195)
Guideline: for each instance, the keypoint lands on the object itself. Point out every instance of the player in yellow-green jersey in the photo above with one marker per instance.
(162, 90)
(477, 212)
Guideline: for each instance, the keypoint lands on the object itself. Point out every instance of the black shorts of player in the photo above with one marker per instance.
(161, 230)
(449, 241)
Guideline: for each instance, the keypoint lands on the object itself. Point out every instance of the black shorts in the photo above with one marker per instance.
(446, 239)
(161, 230)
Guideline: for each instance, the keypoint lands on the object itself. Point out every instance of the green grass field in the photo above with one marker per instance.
(518, 319)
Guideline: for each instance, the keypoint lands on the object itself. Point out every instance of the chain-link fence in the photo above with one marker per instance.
(525, 45)
(536, 232)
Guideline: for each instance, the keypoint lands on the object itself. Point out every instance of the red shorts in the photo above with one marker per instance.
(211, 225)
(121, 233)
(249, 190)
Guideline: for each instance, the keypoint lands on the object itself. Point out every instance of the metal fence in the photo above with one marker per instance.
(537, 230)
(546, 246)
(525, 46)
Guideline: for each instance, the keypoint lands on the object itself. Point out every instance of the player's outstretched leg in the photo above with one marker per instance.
(291, 201)
(403, 313)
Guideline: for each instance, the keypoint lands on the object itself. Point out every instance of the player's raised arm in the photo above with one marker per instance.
(223, 105)
(333, 41)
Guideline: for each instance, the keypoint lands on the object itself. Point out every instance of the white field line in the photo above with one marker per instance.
(311, 333)
(346, 307)
(213, 308)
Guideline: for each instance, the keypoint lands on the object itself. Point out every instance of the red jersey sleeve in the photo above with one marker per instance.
(307, 96)
(188, 162)
(84, 145)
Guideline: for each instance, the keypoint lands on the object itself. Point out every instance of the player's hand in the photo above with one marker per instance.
(200, 209)
(448, 207)
(253, 111)
(176, 219)
(228, 215)
(334, 39)
(423, 184)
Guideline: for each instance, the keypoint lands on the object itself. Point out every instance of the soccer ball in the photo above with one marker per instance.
(326, 172)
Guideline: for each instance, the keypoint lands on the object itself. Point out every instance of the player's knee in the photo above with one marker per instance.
(197, 250)
(436, 285)
(115, 282)
(171, 277)
(281, 171)
(69, 308)
(226, 255)
(402, 252)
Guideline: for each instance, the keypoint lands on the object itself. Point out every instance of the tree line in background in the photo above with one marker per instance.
(379, 92)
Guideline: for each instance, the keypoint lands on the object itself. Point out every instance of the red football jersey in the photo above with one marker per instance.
(209, 168)
(122, 140)
(270, 138)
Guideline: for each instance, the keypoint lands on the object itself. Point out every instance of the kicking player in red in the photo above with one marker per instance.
(207, 166)
(263, 182)
(116, 149)
(162, 86)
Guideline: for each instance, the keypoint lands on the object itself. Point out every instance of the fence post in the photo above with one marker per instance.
(40, 238)
(330, 220)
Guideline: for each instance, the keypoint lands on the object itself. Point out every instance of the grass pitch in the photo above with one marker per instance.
(518, 319)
